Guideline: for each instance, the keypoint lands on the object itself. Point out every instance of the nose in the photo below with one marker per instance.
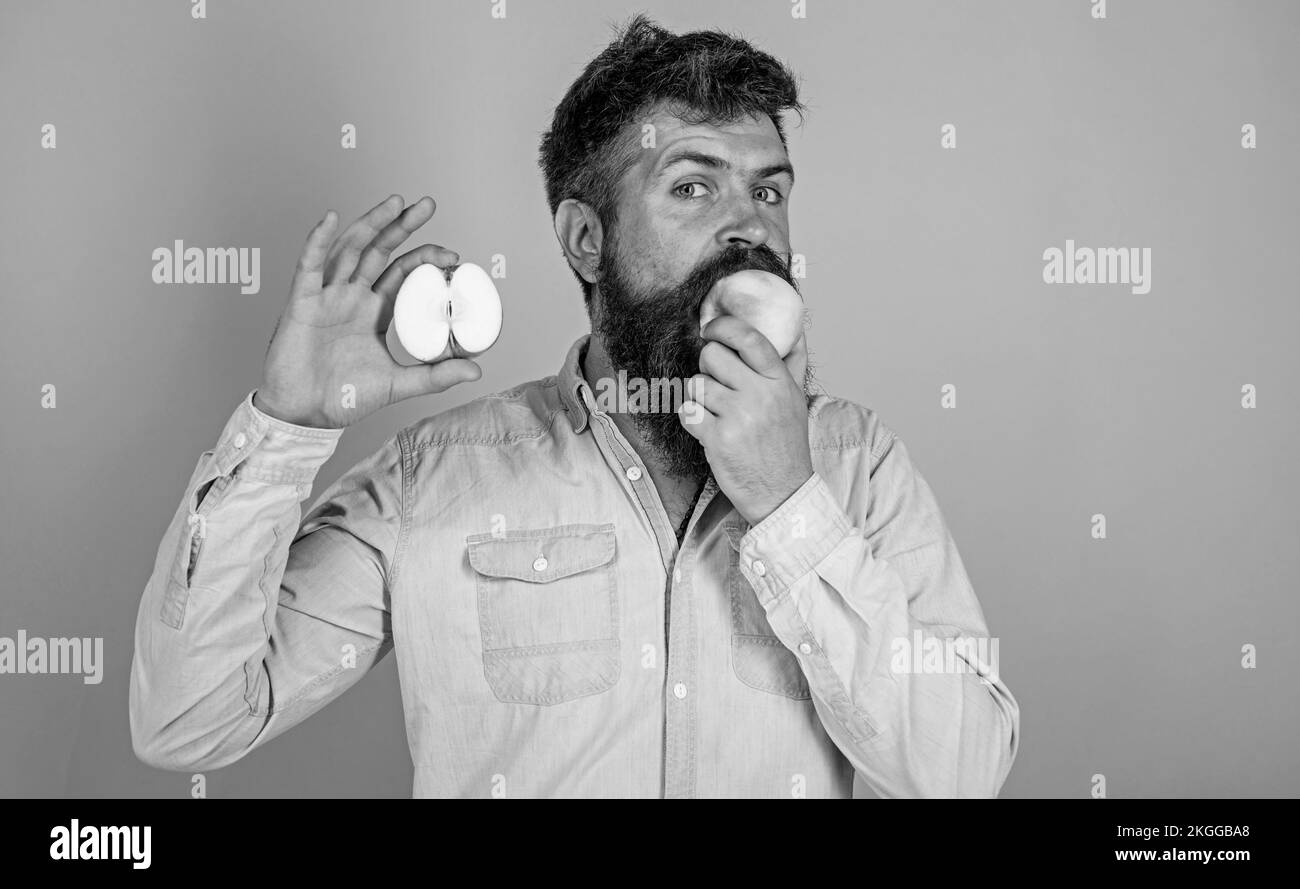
(744, 226)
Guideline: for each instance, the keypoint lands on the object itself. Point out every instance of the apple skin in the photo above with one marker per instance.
(470, 300)
(763, 300)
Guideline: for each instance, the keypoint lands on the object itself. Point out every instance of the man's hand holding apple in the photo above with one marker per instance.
(331, 334)
(750, 412)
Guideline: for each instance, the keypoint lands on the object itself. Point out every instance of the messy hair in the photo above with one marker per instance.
(701, 77)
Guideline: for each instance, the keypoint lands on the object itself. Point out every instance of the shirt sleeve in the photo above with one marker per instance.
(250, 622)
(889, 633)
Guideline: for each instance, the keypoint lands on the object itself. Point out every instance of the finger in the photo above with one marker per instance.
(307, 276)
(797, 361)
(724, 365)
(426, 379)
(391, 280)
(375, 256)
(697, 419)
(342, 260)
(709, 392)
(755, 349)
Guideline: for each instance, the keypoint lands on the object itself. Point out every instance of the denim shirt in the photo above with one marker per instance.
(553, 637)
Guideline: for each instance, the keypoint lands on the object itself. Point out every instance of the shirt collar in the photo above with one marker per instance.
(575, 392)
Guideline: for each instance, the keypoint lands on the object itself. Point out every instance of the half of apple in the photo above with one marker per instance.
(763, 300)
(444, 313)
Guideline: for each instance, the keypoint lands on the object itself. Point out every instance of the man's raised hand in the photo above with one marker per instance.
(331, 333)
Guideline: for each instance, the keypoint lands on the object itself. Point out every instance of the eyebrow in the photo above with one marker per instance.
(673, 158)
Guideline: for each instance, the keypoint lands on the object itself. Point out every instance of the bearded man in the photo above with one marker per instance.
(725, 597)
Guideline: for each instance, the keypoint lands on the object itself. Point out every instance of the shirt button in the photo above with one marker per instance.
(805, 648)
(240, 440)
(679, 690)
(633, 473)
(759, 568)
(540, 563)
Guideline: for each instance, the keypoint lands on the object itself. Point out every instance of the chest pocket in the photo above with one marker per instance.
(758, 657)
(548, 607)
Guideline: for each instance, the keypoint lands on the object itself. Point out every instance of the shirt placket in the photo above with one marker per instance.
(681, 735)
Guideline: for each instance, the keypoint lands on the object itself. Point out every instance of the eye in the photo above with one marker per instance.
(678, 189)
(776, 196)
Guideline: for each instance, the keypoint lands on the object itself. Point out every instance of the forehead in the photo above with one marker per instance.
(748, 144)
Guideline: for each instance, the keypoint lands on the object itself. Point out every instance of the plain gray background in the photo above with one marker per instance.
(924, 268)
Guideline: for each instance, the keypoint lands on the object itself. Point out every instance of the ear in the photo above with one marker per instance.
(578, 229)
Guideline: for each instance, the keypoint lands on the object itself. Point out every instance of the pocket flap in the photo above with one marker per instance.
(540, 556)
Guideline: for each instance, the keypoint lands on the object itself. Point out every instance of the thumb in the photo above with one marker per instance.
(426, 379)
(797, 361)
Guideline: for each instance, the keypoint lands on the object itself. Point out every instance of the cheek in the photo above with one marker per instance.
(639, 262)
(671, 251)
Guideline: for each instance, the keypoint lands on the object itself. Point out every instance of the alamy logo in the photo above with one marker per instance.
(83, 657)
(1103, 265)
(76, 843)
(215, 265)
(947, 654)
(636, 395)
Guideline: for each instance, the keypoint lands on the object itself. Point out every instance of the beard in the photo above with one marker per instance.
(653, 333)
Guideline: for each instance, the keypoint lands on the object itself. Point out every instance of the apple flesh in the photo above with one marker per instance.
(763, 300)
(437, 316)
